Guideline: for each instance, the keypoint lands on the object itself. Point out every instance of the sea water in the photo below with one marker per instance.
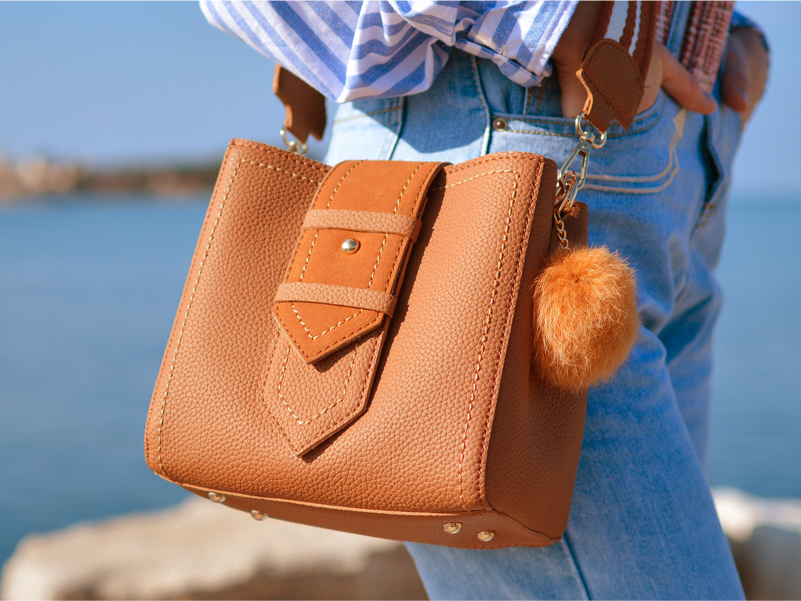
(88, 292)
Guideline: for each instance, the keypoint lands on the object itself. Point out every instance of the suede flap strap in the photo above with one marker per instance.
(351, 253)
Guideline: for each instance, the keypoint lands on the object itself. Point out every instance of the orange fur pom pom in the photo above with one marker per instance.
(585, 311)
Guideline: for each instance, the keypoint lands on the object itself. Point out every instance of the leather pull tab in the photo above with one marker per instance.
(616, 63)
(305, 106)
(576, 221)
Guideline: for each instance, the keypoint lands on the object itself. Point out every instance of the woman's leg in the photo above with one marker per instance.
(642, 523)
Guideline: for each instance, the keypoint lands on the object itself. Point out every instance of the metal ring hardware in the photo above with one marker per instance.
(294, 146)
(569, 183)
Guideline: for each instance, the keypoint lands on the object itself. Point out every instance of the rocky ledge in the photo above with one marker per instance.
(199, 550)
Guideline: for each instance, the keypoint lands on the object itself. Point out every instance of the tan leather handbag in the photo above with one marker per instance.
(354, 348)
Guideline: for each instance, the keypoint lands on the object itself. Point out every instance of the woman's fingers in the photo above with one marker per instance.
(734, 86)
(746, 72)
(680, 85)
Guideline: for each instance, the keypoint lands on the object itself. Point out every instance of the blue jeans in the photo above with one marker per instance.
(642, 522)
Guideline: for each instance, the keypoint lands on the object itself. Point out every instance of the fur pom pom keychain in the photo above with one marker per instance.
(585, 308)
(585, 299)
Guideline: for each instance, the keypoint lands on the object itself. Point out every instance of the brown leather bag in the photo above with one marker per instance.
(386, 391)
(353, 348)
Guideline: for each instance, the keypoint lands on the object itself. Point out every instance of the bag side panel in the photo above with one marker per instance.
(536, 428)
(223, 331)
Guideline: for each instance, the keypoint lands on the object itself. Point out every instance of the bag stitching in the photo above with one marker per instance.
(281, 154)
(356, 407)
(336, 425)
(372, 275)
(303, 323)
(334, 404)
(330, 200)
(474, 177)
(364, 328)
(484, 334)
(497, 157)
(172, 332)
(194, 289)
(303, 271)
(347, 381)
(509, 315)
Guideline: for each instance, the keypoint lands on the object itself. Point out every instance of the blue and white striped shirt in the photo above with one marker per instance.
(351, 50)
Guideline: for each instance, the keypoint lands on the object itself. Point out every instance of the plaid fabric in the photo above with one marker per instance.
(705, 39)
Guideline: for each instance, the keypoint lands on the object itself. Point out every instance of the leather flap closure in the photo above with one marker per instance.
(339, 291)
(340, 283)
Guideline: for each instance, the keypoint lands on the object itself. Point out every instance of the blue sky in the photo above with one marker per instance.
(119, 82)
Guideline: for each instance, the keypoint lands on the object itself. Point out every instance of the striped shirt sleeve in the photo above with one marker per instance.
(352, 50)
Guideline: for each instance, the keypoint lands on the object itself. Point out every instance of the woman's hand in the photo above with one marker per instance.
(743, 80)
(746, 72)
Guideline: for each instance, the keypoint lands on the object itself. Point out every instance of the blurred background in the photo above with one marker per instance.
(133, 104)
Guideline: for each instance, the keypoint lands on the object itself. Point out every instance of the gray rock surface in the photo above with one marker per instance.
(199, 550)
(765, 539)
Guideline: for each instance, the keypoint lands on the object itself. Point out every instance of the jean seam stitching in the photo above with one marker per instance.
(399, 115)
(545, 120)
(388, 126)
(366, 115)
(484, 105)
(583, 580)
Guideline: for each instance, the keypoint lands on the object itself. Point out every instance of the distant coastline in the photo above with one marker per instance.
(37, 177)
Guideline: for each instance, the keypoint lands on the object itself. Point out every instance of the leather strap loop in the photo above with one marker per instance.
(362, 221)
(342, 296)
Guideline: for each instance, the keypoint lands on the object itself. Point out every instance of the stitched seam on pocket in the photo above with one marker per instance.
(678, 121)
(678, 134)
(197, 282)
(545, 121)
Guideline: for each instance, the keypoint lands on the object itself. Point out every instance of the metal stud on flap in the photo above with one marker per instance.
(350, 246)
(216, 498)
(257, 515)
(486, 536)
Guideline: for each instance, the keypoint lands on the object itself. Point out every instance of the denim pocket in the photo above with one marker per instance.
(721, 137)
(642, 160)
